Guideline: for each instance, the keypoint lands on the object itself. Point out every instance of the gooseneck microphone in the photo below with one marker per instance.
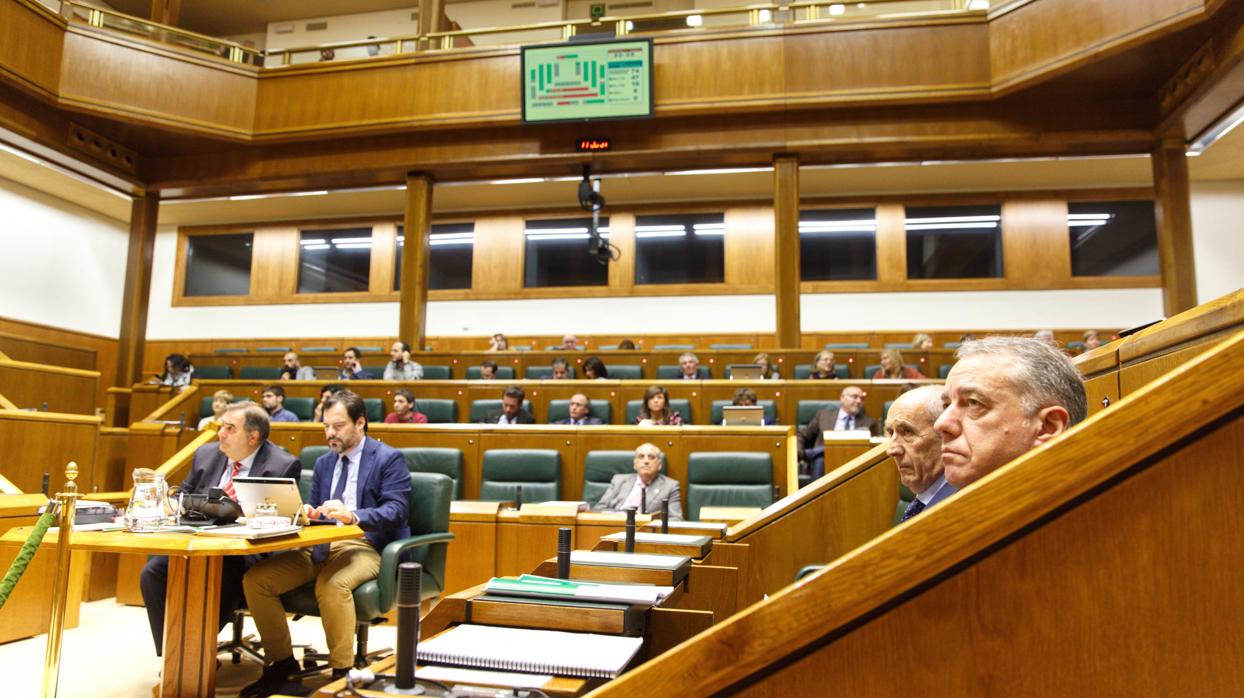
(409, 577)
(643, 499)
(665, 516)
(630, 530)
(563, 553)
(518, 496)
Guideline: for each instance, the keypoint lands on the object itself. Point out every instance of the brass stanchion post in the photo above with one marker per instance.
(68, 503)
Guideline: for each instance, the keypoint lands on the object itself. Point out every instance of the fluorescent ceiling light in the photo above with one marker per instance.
(312, 241)
(520, 180)
(660, 228)
(316, 247)
(948, 226)
(661, 234)
(1214, 133)
(354, 246)
(322, 192)
(694, 20)
(532, 232)
(347, 241)
(558, 236)
(35, 159)
(724, 170)
(956, 219)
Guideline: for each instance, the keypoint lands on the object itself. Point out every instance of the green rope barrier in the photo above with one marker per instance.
(28, 551)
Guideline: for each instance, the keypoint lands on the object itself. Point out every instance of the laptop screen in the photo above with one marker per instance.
(743, 416)
(282, 491)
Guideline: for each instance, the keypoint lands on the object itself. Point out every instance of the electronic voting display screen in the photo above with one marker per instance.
(581, 81)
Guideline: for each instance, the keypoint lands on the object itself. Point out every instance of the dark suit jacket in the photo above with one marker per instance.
(209, 466)
(383, 491)
(586, 420)
(524, 417)
(812, 433)
(663, 488)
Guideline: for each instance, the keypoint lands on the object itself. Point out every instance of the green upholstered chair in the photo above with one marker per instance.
(625, 372)
(898, 345)
(808, 408)
(304, 480)
(438, 411)
(304, 407)
(503, 373)
(558, 347)
(905, 497)
(943, 371)
(538, 471)
(542, 372)
(446, 461)
(870, 369)
(560, 409)
(1076, 346)
(325, 349)
(834, 346)
(205, 405)
(213, 373)
(673, 371)
(437, 373)
(730, 347)
(273, 350)
(375, 409)
(259, 373)
(520, 347)
(481, 408)
(952, 345)
(803, 371)
(606, 347)
(599, 467)
(885, 413)
(307, 457)
(376, 371)
(728, 479)
(373, 350)
(430, 495)
(679, 405)
(673, 347)
(231, 350)
(716, 413)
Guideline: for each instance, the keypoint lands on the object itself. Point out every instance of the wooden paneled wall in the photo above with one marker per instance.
(49, 388)
(59, 347)
(45, 442)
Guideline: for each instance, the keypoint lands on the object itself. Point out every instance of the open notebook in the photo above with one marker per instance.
(532, 651)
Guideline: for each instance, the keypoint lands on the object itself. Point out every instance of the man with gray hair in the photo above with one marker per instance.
(1004, 397)
(916, 447)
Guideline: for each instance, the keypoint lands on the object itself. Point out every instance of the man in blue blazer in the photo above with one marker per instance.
(359, 482)
(917, 447)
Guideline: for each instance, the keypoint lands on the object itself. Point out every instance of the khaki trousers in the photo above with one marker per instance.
(349, 564)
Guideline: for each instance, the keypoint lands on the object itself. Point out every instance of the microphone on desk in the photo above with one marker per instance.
(630, 530)
(518, 496)
(563, 553)
(643, 499)
(665, 516)
(409, 576)
(46, 483)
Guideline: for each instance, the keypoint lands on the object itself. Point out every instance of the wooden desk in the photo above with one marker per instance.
(193, 602)
(728, 515)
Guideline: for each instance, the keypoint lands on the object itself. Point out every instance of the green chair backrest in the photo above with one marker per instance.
(898, 345)
(673, 347)
(803, 371)
(808, 408)
(304, 407)
(730, 347)
(231, 350)
(263, 373)
(377, 372)
(716, 414)
(943, 371)
(870, 369)
(372, 350)
(214, 373)
(625, 372)
(438, 411)
(537, 470)
(503, 373)
(673, 371)
(560, 409)
(446, 461)
(281, 350)
(319, 349)
(437, 373)
(375, 409)
(846, 345)
(599, 467)
(730, 370)
(309, 455)
(952, 345)
(205, 405)
(481, 408)
(728, 478)
(679, 405)
(557, 347)
(541, 372)
(885, 412)
(304, 482)
(606, 347)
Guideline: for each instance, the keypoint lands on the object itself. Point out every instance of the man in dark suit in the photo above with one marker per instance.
(850, 416)
(646, 483)
(580, 411)
(359, 482)
(512, 411)
(243, 450)
(916, 447)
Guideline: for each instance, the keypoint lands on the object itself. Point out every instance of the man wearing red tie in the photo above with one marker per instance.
(243, 450)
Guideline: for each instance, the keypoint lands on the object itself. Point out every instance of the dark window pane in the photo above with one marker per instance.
(219, 265)
(954, 242)
(838, 245)
(335, 260)
(1113, 238)
(452, 251)
(557, 254)
(680, 249)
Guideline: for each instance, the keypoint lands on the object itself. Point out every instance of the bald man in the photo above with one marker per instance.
(916, 447)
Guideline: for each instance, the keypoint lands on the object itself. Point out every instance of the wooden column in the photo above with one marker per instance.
(432, 16)
(1173, 209)
(166, 12)
(786, 248)
(137, 291)
(416, 260)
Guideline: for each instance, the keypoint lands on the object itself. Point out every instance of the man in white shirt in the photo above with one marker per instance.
(400, 367)
(916, 447)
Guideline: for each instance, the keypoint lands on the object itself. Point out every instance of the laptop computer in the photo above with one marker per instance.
(743, 415)
(745, 373)
(282, 491)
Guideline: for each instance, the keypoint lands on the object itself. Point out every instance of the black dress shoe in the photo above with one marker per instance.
(274, 677)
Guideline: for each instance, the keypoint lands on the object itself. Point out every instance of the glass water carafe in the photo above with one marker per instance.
(149, 508)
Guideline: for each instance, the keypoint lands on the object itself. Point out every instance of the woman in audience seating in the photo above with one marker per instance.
(220, 400)
(656, 409)
(922, 342)
(594, 369)
(892, 367)
(767, 372)
(498, 343)
(177, 371)
(404, 411)
(823, 366)
(1091, 340)
(325, 393)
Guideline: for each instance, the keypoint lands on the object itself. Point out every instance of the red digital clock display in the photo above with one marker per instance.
(594, 145)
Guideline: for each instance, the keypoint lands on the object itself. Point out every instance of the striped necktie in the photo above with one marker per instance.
(228, 488)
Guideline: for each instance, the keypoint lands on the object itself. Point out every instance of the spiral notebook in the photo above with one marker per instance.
(532, 651)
